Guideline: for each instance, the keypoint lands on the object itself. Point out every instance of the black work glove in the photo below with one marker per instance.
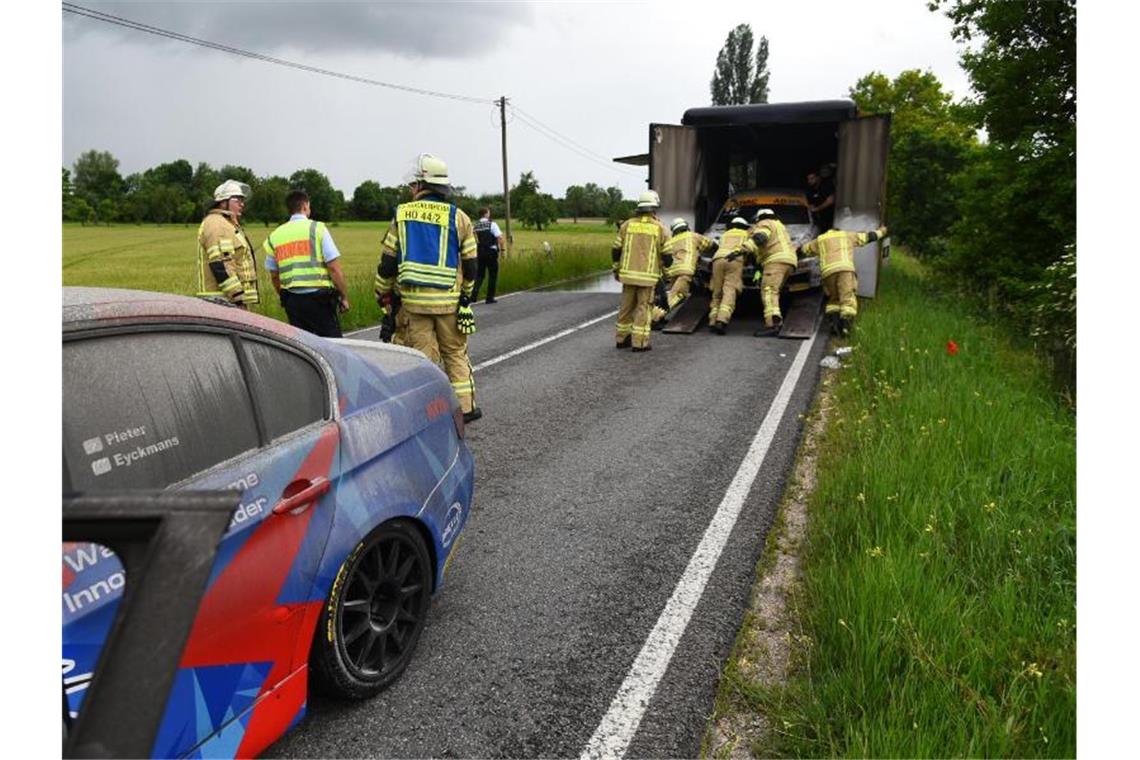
(465, 317)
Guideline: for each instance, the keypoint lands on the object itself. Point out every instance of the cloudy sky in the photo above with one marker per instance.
(594, 73)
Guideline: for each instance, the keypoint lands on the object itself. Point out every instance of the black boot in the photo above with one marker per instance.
(625, 342)
(637, 349)
(767, 331)
(720, 328)
(474, 414)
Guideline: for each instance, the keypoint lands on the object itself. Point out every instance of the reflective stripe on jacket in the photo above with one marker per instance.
(778, 249)
(735, 240)
(685, 248)
(429, 244)
(222, 240)
(642, 241)
(836, 250)
(297, 246)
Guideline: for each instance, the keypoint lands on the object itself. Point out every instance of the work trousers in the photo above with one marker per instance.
(316, 312)
(771, 284)
(400, 336)
(437, 336)
(635, 314)
(840, 291)
(488, 264)
(727, 284)
(678, 291)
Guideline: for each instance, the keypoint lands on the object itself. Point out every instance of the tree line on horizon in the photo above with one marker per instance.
(176, 192)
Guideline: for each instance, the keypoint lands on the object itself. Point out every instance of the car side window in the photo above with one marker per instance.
(290, 391)
(149, 409)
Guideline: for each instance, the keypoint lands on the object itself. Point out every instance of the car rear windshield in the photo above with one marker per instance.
(785, 212)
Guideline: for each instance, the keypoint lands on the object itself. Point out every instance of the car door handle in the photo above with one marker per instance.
(299, 500)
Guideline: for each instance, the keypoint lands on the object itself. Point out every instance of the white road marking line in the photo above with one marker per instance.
(505, 295)
(543, 342)
(620, 723)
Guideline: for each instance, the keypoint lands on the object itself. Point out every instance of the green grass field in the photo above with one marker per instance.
(938, 603)
(163, 258)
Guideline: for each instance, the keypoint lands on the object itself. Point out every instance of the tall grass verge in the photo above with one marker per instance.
(939, 589)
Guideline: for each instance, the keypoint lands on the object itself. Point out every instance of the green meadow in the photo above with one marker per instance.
(163, 258)
(937, 610)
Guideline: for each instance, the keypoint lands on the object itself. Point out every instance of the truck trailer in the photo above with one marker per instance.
(725, 160)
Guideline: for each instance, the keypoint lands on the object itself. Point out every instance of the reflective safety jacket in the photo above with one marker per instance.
(296, 246)
(424, 253)
(777, 248)
(641, 241)
(685, 248)
(836, 249)
(736, 241)
(223, 244)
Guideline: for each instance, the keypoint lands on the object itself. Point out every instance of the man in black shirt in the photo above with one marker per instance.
(490, 240)
(821, 198)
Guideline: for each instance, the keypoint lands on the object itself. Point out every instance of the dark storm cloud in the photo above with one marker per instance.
(424, 29)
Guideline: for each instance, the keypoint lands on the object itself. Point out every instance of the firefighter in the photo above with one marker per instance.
(226, 267)
(836, 251)
(778, 258)
(639, 257)
(428, 257)
(728, 273)
(685, 247)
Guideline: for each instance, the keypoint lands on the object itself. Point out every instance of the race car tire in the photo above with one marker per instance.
(375, 613)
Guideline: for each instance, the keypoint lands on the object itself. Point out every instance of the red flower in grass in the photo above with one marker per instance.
(951, 348)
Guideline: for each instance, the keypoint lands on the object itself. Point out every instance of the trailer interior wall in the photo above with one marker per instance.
(759, 156)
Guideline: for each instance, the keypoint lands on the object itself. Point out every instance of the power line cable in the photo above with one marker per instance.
(138, 26)
(571, 146)
(564, 137)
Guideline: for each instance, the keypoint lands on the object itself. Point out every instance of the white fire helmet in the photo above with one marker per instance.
(229, 189)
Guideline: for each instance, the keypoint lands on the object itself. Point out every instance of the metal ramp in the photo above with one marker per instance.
(690, 313)
(801, 314)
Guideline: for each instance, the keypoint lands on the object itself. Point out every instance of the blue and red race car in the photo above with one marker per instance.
(355, 485)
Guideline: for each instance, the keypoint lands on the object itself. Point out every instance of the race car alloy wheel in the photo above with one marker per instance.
(375, 613)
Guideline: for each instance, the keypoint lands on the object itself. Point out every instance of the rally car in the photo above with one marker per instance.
(355, 484)
(790, 206)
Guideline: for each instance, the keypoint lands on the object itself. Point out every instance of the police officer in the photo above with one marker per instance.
(685, 247)
(303, 262)
(836, 251)
(639, 257)
(490, 242)
(778, 258)
(226, 267)
(728, 273)
(429, 254)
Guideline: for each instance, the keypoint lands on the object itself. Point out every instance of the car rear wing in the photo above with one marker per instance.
(166, 542)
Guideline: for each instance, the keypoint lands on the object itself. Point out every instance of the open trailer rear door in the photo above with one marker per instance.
(675, 170)
(861, 189)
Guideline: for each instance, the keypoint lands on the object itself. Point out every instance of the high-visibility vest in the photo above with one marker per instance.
(300, 261)
(778, 249)
(429, 244)
(640, 252)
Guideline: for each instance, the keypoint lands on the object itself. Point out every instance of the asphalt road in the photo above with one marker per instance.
(597, 474)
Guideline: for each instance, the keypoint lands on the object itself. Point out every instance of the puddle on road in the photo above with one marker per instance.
(594, 283)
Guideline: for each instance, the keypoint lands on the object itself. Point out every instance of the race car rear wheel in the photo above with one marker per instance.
(375, 614)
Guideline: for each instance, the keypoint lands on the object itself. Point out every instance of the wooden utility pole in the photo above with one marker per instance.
(506, 181)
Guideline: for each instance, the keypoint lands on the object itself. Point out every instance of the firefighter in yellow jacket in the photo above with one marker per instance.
(639, 257)
(728, 273)
(226, 267)
(685, 247)
(778, 259)
(427, 270)
(836, 251)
